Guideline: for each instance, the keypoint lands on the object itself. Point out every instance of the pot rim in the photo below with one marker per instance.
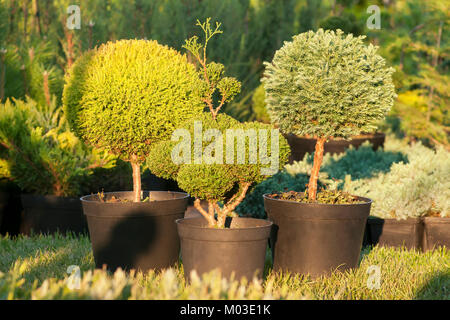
(408, 220)
(269, 224)
(373, 135)
(183, 195)
(367, 201)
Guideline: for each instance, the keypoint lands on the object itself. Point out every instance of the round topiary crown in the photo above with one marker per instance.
(326, 84)
(128, 94)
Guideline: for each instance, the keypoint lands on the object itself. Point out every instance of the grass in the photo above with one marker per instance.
(36, 268)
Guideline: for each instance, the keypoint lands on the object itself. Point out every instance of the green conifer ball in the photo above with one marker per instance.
(327, 84)
(126, 95)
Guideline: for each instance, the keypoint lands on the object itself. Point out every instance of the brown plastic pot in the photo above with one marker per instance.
(314, 238)
(239, 250)
(301, 145)
(396, 233)
(51, 214)
(436, 232)
(135, 235)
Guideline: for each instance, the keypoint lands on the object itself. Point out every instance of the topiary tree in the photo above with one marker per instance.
(325, 84)
(127, 95)
(212, 173)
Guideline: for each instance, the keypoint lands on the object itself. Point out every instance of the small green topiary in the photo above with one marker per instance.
(127, 95)
(325, 84)
(211, 172)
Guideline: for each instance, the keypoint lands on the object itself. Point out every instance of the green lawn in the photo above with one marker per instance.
(36, 268)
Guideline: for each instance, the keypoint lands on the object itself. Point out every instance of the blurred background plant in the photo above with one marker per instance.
(41, 155)
(36, 47)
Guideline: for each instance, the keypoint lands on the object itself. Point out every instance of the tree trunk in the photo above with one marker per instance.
(318, 157)
(36, 17)
(136, 179)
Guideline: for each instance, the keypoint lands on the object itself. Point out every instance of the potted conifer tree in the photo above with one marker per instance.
(323, 84)
(220, 172)
(123, 97)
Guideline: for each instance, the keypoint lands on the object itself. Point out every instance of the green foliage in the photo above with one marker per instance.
(207, 181)
(362, 163)
(347, 22)
(41, 155)
(36, 268)
(213, 172)
(326, 84)
(259, 105)
(212, 74)
(213, 181)
(415, 189)
(125, 96)
(356, 164)
(253, 204)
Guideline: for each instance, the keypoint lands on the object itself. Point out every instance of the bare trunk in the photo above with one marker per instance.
(46, 88)
(2, 75)
(25, 18)
(136, 179)
(209, 216)
(318, 157)
(70, 44)
(36, 17)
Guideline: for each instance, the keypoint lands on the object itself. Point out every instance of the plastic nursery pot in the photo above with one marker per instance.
(12, 207)
(301, 145)
(51, 214)
(436, 232)
(135, 235)
(239, 250)
(314, 238)
(396, 233)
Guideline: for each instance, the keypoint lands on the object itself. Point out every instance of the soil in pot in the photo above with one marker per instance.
(396, 233)
(238, 249)
(302, 145)
(436, 233)
(316, 238)
(51, 214)
(135, 235)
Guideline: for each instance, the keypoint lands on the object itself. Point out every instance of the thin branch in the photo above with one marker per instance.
(211, 220)
(230, 207)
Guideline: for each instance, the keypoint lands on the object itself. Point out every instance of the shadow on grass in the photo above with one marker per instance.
(45, 256)
(437, 288)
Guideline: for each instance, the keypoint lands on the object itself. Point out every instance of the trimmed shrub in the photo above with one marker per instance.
(210, 172)
(127, 95)
(325, 84)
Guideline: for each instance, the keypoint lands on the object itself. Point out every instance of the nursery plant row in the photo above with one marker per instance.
(129, 99)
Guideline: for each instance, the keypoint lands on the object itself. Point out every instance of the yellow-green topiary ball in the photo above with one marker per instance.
(126, 95)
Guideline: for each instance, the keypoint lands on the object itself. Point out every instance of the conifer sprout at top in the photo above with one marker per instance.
(220, 179)
(326, 84)
(127, 95)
